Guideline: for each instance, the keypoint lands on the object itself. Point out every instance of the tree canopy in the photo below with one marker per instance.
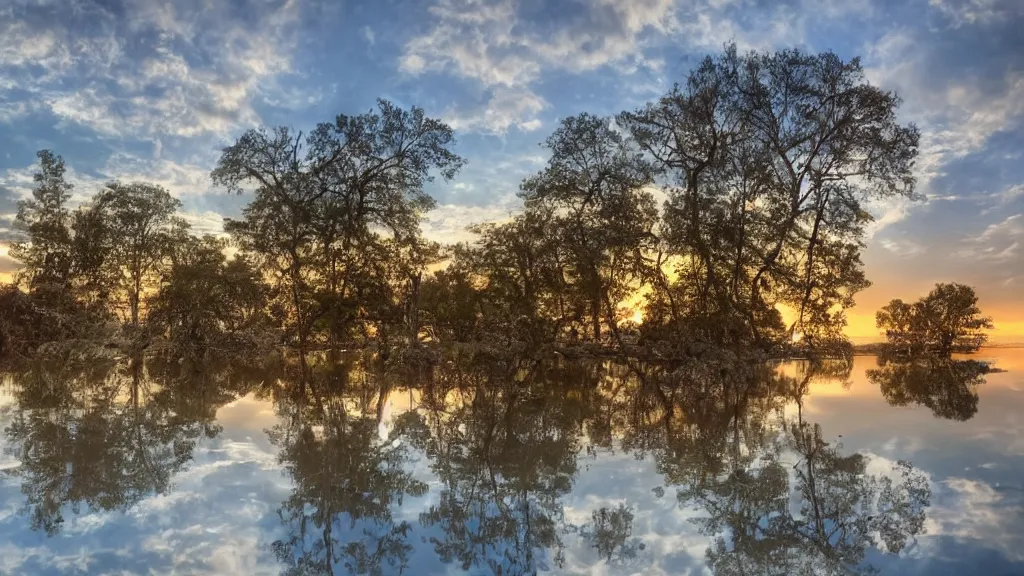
(946, 320)
(765, 161)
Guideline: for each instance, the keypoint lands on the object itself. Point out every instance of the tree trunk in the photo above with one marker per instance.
(413, 313)
(133, 299)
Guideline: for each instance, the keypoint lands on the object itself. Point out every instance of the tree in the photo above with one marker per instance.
(204, 300)
(140, 220)
(594, 187)
(946, 320)
(450, 301)
(519, 268)
(769, 158)
(326, 200)
(44, 220)
(61, 251)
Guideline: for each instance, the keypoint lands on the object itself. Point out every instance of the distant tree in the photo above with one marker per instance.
(140, 218)
(946, 320)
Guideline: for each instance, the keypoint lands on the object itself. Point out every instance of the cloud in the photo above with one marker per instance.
(206, 222)
(902, 248)
(967, 12)
(962, 85)
(448, 222)
(181, 69)
(505, 108)
(19, 182)
(8, 265)
(999, 242)
(975, 511)
(504, 48)
(180, 179)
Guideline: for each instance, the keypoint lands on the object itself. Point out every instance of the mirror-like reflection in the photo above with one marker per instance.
(945, 385)
(468, 462)
(103, 433)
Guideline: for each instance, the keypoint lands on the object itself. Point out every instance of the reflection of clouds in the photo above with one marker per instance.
(217, 519)
(221, 513)
(977, 507)
(672, 543)
(983, 515)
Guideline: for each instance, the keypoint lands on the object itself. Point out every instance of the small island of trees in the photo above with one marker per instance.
(767, 160)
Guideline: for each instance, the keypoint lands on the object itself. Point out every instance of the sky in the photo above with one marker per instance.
(150, 90)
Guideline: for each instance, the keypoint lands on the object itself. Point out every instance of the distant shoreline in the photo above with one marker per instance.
(875, 347)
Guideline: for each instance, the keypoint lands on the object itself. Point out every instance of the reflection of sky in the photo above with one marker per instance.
(221, 514)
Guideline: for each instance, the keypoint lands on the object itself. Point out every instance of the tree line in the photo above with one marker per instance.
(767, 161)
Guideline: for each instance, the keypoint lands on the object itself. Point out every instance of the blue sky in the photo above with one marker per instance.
(142, 89)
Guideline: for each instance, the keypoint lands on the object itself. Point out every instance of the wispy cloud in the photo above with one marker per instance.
(180, 69)
(505, 49)
(999, 242)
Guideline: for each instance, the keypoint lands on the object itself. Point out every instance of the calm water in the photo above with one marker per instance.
(498, 470)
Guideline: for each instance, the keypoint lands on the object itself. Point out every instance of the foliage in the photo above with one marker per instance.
(139, 218)
(946, 320)
(769, 158)
(336, 214)
(43, 220)
(205, 300)
(946, 386)
(766, 161)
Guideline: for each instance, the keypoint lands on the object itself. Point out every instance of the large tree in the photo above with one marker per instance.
(327, 199)
(594, 185)
(140, 220)
(43, 220)
(769, 159)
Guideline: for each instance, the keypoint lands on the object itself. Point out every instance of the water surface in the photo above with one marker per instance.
(513, 468)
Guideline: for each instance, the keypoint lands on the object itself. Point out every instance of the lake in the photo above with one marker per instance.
(514, 467)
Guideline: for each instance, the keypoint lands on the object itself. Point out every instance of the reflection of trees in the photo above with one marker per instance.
(503, 440)
(817, 516)
(347, 479)
(779, 498)
(99, 432)
(609, 532)
(946, 386)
